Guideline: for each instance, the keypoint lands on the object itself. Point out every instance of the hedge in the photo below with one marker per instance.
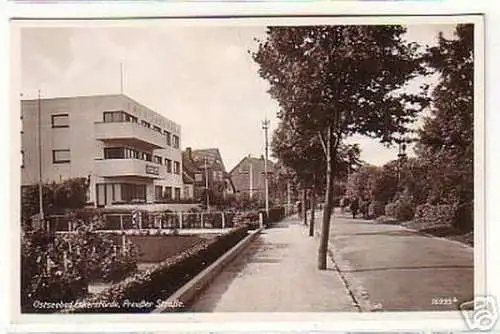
(146, 288)
(427, 214)
(458, 216)
(275, 215)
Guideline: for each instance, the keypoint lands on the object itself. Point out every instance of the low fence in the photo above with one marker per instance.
(165, 220)
(169, 220)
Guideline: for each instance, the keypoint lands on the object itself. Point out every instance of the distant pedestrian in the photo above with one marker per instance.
(354, 207)
(299, 209)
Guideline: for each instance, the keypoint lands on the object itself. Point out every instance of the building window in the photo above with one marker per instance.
(133, 192)
(60, 156)
(158, 193)
(168, 193)
(22, 159)
(169, 137)
(60, 121)
(145, 124)
(177, 167)
(177, 193)
(157, 128)
(131, 153)
(168, 162)
(175, 141)
(198, 177)
(146, 156)
(130, 118)
(158, 160)
(114, 153)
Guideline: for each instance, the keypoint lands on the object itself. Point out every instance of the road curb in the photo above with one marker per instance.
(464, 245)
(189, 291)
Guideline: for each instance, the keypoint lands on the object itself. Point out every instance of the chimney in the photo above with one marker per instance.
(189, 153)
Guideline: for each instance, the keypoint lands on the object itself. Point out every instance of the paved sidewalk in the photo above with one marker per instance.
(277, 273)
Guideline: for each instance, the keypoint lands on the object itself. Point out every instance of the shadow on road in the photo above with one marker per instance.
(360, 270)
(402, 233)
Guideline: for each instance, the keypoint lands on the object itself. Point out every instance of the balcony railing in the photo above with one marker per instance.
(132, 132)
(129, 167)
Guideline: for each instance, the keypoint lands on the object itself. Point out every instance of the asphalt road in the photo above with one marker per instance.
(395, 269)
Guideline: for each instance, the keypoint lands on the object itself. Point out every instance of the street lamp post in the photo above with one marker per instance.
(206, 185)
(401, 158)
(40, 185)
(265, 127)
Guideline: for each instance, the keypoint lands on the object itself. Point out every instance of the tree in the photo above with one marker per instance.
(447, 136)
(57, 197)
(335, 81)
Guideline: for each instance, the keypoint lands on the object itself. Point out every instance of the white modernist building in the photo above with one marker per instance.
(130, 153)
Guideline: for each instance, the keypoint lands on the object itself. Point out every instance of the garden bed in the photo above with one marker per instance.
(142, 292)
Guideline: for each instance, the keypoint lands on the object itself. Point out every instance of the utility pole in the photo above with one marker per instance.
(251, 178)
(265, 127)
(206, 185)
(288, 199)
(121, 78)
(40, 185)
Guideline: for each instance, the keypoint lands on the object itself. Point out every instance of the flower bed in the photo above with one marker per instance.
(142, 292)
(58, 268)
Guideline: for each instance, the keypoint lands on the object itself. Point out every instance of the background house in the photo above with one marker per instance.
(248, 177)
(205, 167)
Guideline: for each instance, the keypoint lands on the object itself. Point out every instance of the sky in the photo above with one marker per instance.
(199, 77)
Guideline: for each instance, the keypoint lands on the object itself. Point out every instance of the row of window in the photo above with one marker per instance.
(121, 116)
(216, 175)
(62, 121)
(129, 153)
(166, 193)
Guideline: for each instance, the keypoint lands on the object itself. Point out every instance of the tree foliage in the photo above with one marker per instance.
(335, 81)
(447, 137)
(70, 194)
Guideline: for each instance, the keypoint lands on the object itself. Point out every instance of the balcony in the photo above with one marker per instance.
(130, 133)
(129, 167)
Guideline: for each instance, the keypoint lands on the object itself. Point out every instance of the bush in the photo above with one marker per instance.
(405, 210)
(463, 218)
(59, 267)
(402, 210)
(427, 214)
(375, 209)
(460, 217)
(275, 215)
(163, 280)
(390, 210)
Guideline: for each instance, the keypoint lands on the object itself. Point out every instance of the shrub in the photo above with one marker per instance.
(463, 218)
(402, 210)
(375, 209)
(405, 210)
(390, 210)
(460, 217)
(163, 280)
(59, 267)
(275, 215)
(427, 214)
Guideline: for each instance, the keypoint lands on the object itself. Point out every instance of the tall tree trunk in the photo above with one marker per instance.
(311, 222)
(331, 150)
(304, 205)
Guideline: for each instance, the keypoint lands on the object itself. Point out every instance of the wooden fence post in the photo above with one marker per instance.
(121, 222)
(223, 220)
